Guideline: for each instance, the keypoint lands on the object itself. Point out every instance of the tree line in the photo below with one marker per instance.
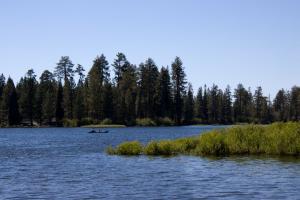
(69, 96)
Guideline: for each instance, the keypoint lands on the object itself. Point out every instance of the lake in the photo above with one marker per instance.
(69, 163)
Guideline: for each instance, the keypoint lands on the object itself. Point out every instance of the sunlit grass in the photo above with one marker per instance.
(126, 148)
(274, 139)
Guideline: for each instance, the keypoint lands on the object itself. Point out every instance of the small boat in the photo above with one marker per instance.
(99, 131)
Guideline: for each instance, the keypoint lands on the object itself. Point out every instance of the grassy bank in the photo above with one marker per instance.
(274, 139)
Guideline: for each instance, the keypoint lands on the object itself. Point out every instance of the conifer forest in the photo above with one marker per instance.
(124, 93)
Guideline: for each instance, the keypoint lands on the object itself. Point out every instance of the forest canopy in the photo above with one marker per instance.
(135, 95)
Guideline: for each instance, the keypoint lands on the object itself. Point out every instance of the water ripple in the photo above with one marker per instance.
(71, 164)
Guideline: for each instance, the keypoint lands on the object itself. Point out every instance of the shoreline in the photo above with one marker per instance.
(125, 126)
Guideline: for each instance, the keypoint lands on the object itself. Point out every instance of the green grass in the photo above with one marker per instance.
(275, 139)
(126, 148)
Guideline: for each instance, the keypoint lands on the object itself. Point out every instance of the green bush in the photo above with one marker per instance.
(86, 121)
(70, 123)
(283, 139)
(197, 121)
(248, 139)
(211, 144)
(166, 121)
(164, 147)
(127, 148)
(106, 121)
(145, 122)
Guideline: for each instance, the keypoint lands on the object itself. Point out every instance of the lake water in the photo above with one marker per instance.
(69, 163)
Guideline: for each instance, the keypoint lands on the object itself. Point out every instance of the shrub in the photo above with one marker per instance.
(86, 121)
(70, 123)
(211, 144)
(110, 150)
(283, 139)
(151, 148)
(164, 147)
(166, 121)
(145, 122)
(128, 148)
(197, 121)
(186, 145)
(248, 139)
(106, 121)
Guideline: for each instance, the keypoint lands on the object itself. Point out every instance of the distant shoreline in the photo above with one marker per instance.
(118, 126)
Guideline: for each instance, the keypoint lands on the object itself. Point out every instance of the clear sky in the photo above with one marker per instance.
(255, 42)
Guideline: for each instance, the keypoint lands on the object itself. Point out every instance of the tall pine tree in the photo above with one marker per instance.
(10, 115)
(189, 106)
(179, 86)
(97, 76)
(27, 91)
(148, 77)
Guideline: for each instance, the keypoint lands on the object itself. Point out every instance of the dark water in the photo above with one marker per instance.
(71, 164)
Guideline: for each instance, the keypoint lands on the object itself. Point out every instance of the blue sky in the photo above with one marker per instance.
(254, 42)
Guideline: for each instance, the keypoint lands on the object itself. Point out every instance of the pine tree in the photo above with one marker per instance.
(164, 94)
(9, 105)
(27, 91)
(270, 111)
(295, 103)
(86, 98)
(189, 106)
(242, 105)
(227, 106)
(80, 72)
(127, 91)
(68, 99)
(179, 85)
(120, 65)
(48, 107)
(213, 104)
(199, 104)
(108, 107)
(45, 98)
(98, 75)
(59, 109)
(220, 107)
(2, 112)
(280, 106)
(79, 105)
(148, 77)
(2, 84)
(261, 106)
(205, 105)
(64, 69)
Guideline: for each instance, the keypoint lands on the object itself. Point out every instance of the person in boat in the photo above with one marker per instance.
(99, 131)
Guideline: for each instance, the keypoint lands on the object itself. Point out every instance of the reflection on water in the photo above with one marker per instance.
(71, 164)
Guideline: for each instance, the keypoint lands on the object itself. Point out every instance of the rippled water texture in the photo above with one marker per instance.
(60, 163)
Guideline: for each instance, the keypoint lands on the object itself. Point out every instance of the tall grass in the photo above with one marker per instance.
(126, 148)
(274, 139)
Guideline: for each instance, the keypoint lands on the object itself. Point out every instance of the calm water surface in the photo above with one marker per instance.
(63, 163)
